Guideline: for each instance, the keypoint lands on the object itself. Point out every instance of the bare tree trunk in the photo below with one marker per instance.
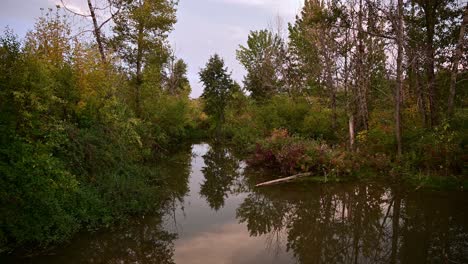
(421, 97)
(431, 86)
(97, 32)
(430, 17)
(395, 224)
(362, 110)
(331, 86)
(456, 58)
(171, 78)
(284, 180)
(351, 132)
(399, 86)
(346, 88)
(413, 73)
(139, 77)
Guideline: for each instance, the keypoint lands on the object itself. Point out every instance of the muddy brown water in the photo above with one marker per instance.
(216, 216)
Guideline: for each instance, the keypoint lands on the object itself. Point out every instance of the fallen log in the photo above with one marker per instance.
(284, 180)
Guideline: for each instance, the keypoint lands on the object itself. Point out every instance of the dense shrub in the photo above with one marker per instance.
(248, 121)
(283, 112)
(170, 119)
(72, 152)
(292, 154)
(242, 126)
(438, 150)
(36, 194)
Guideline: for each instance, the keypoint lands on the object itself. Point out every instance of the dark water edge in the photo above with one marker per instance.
(215, 215)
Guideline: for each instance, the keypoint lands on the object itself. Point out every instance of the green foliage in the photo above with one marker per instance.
(170, 119)
(218, 89)
(248, 121)
(263, 58)
(284, 112)
(242, 127)
(141, 28)
(72, 153)
(77, 134)
(440, 150)
(140, 38)
(37, 194)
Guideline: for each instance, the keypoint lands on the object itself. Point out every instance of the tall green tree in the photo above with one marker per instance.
(218, 89)
(303, 45)
(264, 59)
(313, 39)
(141, 30)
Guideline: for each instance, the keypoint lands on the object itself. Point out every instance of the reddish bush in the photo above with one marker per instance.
(291, 155)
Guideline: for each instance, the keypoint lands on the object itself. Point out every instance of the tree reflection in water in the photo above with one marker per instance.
(141, 242)
(143, 239)
(356, 223)
(314, 223)
(220, 171)
(343, 223)
(176, 171)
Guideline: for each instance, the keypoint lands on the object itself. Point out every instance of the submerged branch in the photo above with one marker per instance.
(283, 180)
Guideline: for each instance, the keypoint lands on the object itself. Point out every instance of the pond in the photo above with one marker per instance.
(216, 215)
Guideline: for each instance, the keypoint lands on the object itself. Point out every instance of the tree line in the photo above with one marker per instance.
(83, 121)
(355, 54)
(374, 78)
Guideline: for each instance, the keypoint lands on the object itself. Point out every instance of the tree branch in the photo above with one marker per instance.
(71, 11)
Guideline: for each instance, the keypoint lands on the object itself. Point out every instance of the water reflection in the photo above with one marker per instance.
(344, 223)
(220, 171)
(141, 242)
(215, 215)
(360, 223)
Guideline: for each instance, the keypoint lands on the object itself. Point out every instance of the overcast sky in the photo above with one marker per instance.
(204, 27)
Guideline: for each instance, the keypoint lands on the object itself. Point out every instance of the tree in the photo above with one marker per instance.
(218, 88)
(313, 38)
(97, 26)
(141, 30)
(264, 59)
(435, 16)
(175, 77)
(414, 45)
(303, 45)
(361, 85)
(456, 59)
(50, 40)
(399, 86)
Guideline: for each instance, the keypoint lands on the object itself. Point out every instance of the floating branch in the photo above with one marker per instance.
(284, 180)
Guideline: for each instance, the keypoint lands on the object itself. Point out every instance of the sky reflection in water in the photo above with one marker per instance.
(216, 216)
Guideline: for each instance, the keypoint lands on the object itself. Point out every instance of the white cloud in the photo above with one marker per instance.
(281, 7)
(76, 6)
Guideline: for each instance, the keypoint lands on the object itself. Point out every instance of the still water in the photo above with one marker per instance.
(215, 215)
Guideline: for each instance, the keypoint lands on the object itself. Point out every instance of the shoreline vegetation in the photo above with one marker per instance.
(83, 122)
